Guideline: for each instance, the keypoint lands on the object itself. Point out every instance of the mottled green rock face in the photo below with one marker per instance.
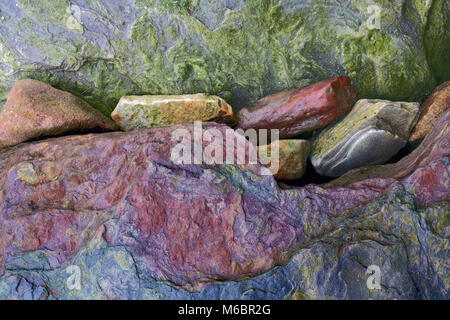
(240, 50)
(373, 132)
(136, 112)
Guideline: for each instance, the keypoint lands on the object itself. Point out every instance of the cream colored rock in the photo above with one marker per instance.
(136, 112)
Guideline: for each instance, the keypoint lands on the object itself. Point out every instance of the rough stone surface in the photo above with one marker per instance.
(35, 109)
(139, 226)
(431, 110)
(373, 132)
(290, 163)
(241, 50)
(302, 109)
(135, 112)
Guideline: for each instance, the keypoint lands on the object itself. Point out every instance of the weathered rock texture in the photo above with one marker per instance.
(373, 132)
(290, 161)
(240, 50)
(302, 109)
(35, 109)
(139, 226)
(135, 112)
(431, 110)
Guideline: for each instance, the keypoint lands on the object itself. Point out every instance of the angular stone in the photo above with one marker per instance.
(139, 226)
(36, 110)
(373, 132)
(431, 110)
(302, 109)
(136, 112)
(291, 161)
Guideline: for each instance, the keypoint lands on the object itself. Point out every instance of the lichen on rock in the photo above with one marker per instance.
(239, 50)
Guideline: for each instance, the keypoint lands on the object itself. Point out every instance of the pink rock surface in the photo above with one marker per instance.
(35, 109)
(189, 224)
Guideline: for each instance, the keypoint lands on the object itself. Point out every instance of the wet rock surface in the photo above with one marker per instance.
(430, 111)
(35, 110)
(240, 50)
(300, 110)
(286, 158)
(373, 132)
(139, 226)
(120, 211)
(136, 112)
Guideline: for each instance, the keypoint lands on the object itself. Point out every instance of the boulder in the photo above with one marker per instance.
(37, 110)
(135, 112)
(240, 50)
(431, 110)
(373, 132)
(288, 161)
(135, 225)
(300, 110)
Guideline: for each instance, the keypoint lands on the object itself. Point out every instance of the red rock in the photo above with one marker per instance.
(302, 109)
(35, 110)
(431, 110)
(189, 224)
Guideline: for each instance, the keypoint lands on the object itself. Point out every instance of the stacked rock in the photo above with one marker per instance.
(294, 112)
(345, 135)
(117, 206)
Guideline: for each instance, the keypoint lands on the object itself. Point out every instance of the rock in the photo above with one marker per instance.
(240, 50)
(290, 162)
(135, 112)
(302, 109)
(36, 110)
(431, 110)
(437, 45)
(139, 226)
(373, 132)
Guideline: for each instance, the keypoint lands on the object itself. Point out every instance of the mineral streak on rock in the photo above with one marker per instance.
(373, 132)
(424, 172)
(35, 109)
(431, 110)
(302, 109)
(290, 159)
(134, 112)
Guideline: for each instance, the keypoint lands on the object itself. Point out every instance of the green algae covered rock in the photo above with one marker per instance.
(373, 132)
(239, 50)
(135, 112)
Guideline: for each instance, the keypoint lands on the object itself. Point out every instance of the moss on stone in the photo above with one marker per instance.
(238, 50)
